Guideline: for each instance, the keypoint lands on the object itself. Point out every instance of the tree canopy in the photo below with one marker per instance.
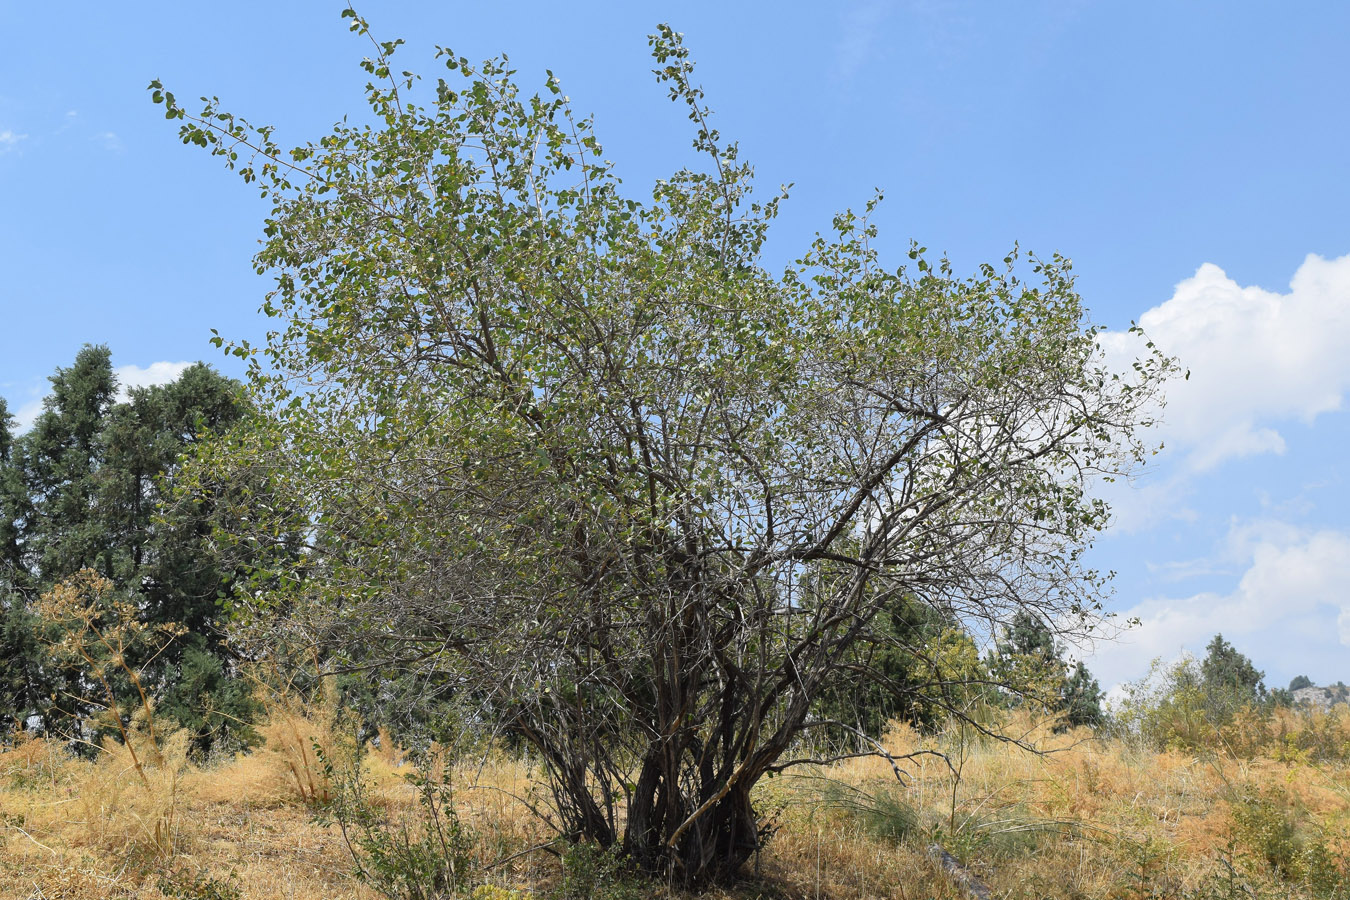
(582, 455)
(91, 487)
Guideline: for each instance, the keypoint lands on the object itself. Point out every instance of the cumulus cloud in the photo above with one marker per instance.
(1289, 607)
(1256, 358)
(129, 377)
(26, 415)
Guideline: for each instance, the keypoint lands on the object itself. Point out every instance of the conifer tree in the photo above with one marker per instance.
(19, 653)
(60, 458)
(92, 487)
(1028, 656)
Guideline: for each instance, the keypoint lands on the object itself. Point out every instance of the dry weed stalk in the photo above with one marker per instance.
(97, 628)
(305, 735)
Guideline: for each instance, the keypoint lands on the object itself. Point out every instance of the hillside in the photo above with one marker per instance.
(1089, 816)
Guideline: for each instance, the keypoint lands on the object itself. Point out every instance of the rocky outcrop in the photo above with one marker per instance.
(1322, 698)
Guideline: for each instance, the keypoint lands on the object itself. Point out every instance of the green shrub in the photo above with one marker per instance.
(1267, 831)
(883, 812)
(1225, 882)
(590, 872)
(182, 884)
(426, 858)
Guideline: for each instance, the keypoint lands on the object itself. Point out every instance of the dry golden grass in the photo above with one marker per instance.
(1086, 818)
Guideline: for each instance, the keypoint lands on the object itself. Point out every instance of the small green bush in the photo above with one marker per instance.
(590, 872)
(182, 884)
(883, 811)
(1225, 882)
(428, 858)
(1268, 832)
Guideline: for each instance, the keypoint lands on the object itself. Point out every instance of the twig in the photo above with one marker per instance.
(546, 846)
(34, 840)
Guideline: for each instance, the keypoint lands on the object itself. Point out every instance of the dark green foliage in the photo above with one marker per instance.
(92, 486)
(59, 461)
(1027, 656)
(14, 501)
(892, 675)
(21, 692)
(1028, 635)
(1300, 681)
(201, 695)
(21, 677)
(1226, 672)
(1081, 698)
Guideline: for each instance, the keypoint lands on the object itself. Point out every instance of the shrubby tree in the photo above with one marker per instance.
(1187, 703)
(584, 455)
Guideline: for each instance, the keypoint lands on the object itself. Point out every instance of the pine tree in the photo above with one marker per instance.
(13, 503)
(1224, 670)
(60, 458)
(900, 647)
(1027, 655)
(1081, 698)
(92, 486)
(20, 668)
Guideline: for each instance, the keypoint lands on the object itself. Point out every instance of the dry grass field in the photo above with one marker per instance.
(1088, 818)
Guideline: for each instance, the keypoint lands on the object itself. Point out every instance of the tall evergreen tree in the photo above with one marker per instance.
(20, 670)
(13, 502)
(900, 647)
(1081, 698)
(1027, 655)
(91, 486)
(60, 458)
(1227, 671)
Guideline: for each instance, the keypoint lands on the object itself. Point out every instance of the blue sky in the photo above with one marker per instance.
(1190, 158)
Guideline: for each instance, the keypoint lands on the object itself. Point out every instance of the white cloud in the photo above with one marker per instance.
(1290, 608)
(9, 140)
(109, 140)
(26, 415)
(1256, 358)
(129, 377)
